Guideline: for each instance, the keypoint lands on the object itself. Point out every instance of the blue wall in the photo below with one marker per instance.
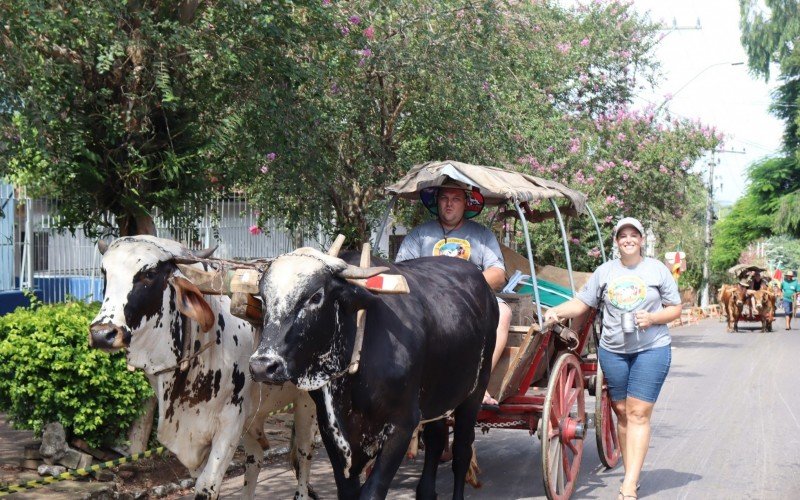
(12, 299)
(52, 289)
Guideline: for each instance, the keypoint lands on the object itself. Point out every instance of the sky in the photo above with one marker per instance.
(704, 85)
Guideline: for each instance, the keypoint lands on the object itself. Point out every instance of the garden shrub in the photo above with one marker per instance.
(49, 373)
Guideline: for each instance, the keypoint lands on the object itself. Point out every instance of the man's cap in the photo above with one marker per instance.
(473, 198)
(628, 221)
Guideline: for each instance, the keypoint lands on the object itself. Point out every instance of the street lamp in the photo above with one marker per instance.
(695, 77)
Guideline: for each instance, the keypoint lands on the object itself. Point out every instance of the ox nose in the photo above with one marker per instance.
(105, 336)
(267, 368)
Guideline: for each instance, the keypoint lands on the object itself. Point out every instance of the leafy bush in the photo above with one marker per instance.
(49, 373)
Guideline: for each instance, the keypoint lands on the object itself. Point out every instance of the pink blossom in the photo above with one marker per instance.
(608, 219)
(584, 42)
(594, 252)
(611, 199)
(326, 3)
(626, 54)
(367, 52)
(254, 230)
(345, 30)
(369, 33)
(264, 169)
(621, 136)
(564, 48)
(574, 240)
(574, 145)
(271, 156)
(354, 19)
(214, 179)
(662, 169)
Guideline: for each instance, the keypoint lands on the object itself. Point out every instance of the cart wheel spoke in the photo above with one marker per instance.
(563, 444)
(605, 424)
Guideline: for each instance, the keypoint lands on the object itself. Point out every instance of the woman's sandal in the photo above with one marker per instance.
(624, 496)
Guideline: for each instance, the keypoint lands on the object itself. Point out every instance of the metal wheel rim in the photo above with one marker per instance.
(561, 460)
(605, 429)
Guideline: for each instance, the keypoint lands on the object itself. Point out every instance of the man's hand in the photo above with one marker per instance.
(551, 316)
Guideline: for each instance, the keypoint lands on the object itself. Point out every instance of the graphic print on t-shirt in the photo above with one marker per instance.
(453, 247)
(627, 292)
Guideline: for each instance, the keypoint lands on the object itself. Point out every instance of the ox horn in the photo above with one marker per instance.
(102, 246)
(204, 253)
(336, 246)
(354, 273)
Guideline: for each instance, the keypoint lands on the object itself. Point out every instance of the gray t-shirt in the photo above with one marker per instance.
(471, 241)
(648, 286)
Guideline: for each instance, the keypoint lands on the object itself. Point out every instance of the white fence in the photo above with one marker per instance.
(65, 264)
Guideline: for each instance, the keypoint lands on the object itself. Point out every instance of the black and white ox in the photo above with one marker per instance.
(148, 309)
(425, 355)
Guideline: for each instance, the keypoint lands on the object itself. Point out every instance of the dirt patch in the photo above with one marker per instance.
(147, 473)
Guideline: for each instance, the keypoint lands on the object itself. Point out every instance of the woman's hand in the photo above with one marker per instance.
(644, 319)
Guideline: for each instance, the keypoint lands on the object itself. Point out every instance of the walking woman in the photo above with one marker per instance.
(635, 358)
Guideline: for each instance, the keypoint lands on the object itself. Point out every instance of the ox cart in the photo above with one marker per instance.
(740, 302)
(541, 378)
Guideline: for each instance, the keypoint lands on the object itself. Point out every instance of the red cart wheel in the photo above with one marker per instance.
(605, 430)
(563, 428)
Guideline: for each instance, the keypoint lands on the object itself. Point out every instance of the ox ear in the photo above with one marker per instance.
(192, 304)
(353, 297)
(102, 247)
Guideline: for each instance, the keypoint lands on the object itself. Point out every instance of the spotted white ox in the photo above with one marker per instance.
(203, 411)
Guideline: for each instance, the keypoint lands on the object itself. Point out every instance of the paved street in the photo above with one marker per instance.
(727, 425)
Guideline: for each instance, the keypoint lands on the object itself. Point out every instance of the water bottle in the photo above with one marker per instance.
(628, 322)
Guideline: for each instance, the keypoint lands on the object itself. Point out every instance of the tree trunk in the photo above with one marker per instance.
(131, 225)
(139, 433)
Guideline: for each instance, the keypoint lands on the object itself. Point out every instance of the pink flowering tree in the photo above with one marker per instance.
(367, 89)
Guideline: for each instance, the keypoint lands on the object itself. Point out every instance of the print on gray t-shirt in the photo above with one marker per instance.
(648, 286)
(471, 241)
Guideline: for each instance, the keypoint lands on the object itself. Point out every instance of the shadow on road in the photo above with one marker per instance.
(684, 342)
(659, 480)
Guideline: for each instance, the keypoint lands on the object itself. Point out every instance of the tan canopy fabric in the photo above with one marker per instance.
(496, 184)
(740, 270)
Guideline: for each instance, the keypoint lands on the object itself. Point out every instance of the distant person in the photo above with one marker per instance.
(756, 282)
(452, 234)
(789, 288)
(635, 364)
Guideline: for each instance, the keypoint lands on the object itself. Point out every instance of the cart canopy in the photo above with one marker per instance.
(740, 270)
(497, 185)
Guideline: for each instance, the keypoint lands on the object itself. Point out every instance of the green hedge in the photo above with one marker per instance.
(48, 373)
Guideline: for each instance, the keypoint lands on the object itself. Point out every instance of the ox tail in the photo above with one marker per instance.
(293, 452)
(474, 470)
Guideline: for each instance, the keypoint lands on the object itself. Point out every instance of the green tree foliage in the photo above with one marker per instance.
(783, 252)
(48, 373)
(746, 222)
(380, 86)
(128, 106)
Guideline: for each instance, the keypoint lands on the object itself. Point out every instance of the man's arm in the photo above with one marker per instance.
(496, 277)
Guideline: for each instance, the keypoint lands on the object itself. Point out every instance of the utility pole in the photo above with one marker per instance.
(709, 220)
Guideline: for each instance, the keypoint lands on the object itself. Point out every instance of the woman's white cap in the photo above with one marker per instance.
(628, 221)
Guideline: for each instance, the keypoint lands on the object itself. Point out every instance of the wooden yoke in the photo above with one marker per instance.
(240, 280)
(361, 318)
(240, 284)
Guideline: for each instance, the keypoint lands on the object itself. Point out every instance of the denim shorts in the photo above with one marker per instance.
(787, 306)
(640, 375)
